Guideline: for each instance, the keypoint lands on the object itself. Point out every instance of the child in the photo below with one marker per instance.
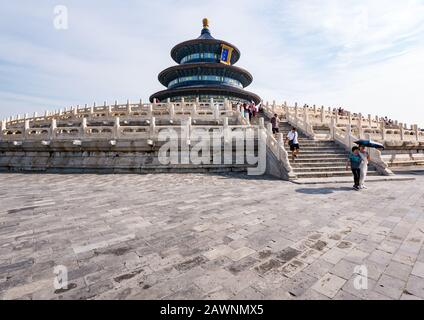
(355, 161)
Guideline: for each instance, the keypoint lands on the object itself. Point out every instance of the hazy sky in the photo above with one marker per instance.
(367, 56)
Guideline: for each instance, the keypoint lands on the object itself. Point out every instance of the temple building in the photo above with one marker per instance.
(205, 70)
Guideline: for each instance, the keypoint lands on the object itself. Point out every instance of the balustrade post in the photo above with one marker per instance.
(261, 123)
(333, 128)
(295, 111)
(91, 109)
(116, 128)
(383, 131)
(150, 113)
(216, 112)
(349, 118)
(280, 139)
(273, 107)
(227, 105)
(322, 114)
(269, 128)
(53, 128)
(129, 108)
(402, 132)
(193, 110)
(416, 132)
(152, 128)
(369, 120)
(349, 135)
(2, 128)
(26, 128)
(172, 111)
(84, 126)
(225, 123)
(360, 126)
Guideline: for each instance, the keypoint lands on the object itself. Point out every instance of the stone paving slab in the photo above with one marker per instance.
(204, 236)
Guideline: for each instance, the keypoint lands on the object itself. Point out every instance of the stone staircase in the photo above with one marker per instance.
(318, 158)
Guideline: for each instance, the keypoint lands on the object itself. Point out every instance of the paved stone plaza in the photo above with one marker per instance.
(194, 236)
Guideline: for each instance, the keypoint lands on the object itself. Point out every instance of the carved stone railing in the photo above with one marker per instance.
(275, 145)
(346, 139)
(306, 118)
(79, 122)
(181, 108)
(298, 119)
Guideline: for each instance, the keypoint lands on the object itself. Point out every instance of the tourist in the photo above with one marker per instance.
(253, 109)
(246, 110)
(364, 166)
(274, 123)
(249, 108)
(293, 136)
(354, 161)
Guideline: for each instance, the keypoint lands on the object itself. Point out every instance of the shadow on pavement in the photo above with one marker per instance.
(322, 190)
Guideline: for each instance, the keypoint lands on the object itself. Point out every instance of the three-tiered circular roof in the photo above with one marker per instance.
(205, 70)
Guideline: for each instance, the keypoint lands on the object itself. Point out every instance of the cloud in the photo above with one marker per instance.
(367, 55)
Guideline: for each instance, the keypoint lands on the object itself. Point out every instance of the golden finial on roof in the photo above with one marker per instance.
(205, 23)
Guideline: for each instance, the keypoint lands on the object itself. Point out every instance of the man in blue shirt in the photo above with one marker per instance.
(355, 161)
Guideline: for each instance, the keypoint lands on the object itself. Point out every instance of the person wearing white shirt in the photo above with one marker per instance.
(364, 166)
(292, 137)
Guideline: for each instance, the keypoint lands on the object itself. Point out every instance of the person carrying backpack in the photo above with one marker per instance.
(292, 137)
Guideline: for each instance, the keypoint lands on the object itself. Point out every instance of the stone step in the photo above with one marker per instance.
(315, 155)
(312, 161)
(319, 143)
(330, 174)
(324, 149)
(297, 164)
(405, 163)
(324, 169)
(324, 152)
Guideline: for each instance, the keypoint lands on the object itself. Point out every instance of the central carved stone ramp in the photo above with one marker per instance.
(319, 158)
